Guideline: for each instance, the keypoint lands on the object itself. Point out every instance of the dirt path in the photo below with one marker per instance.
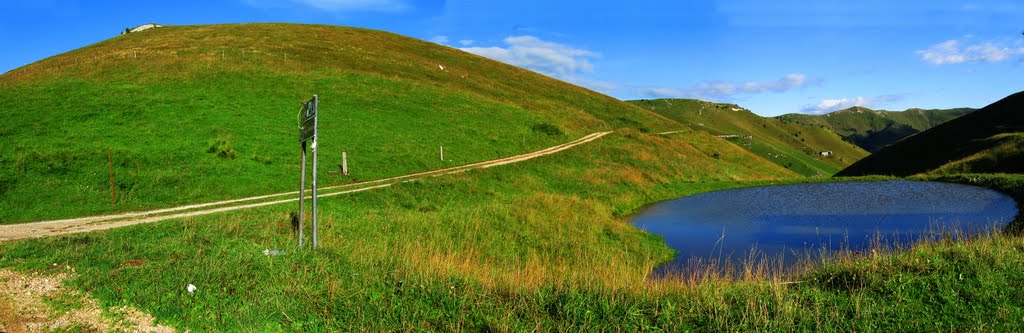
(104, 222)
(27, 305)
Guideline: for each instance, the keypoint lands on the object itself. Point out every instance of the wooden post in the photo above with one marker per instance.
(113, 199)
(302, 193)
(442, 153)
(344, 163)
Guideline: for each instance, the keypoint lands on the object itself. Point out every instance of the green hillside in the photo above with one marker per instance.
(874, 129)
(794, 146)
(200, 113)
(985, 141)
(194, 113)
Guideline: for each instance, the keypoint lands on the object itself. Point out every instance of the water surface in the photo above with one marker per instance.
(787, 222)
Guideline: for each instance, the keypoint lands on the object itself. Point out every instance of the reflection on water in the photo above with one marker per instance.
(791, 221)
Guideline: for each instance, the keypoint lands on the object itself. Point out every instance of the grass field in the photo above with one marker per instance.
(521, 247)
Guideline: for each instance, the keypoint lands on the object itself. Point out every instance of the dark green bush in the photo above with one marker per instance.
(222, 148)
(545, 128)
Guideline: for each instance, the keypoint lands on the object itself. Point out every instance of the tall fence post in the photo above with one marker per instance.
(308, 132)
(302, 194)
(316, 130)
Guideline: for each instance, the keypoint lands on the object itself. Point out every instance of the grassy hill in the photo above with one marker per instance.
(874, 129)
(541, 245)
(195, 113)
(794, 146)
(200, 113)
(985, 141)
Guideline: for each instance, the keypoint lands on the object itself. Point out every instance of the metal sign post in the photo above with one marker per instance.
(308, 131)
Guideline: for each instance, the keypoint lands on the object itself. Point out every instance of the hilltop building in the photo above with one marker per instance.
(143, 27)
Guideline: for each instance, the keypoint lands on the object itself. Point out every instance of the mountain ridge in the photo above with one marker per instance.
(808, 150)
(986, 140)
(873, 129)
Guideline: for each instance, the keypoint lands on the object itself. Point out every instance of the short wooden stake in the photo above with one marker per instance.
(442, 153)
(344, 163)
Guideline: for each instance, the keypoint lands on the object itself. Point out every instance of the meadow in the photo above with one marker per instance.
(523, 247)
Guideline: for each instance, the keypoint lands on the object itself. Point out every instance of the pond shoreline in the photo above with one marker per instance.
(758, 224)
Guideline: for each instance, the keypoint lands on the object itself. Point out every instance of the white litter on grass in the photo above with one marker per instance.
(191, 288)
(269, 252)
(441, 67)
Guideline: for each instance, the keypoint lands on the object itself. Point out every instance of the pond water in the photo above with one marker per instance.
(787, 222)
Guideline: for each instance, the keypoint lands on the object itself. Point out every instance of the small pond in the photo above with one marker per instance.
(787, 222)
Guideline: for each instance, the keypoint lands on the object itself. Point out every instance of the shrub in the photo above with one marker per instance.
(545, 128)
(222, 148)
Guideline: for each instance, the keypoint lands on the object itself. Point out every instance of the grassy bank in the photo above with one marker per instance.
(520, 247)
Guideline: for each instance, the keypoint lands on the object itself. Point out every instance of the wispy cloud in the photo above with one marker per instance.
(829, 105)
(955, 52)
(338, 5)
(439, 39)
(724, 90)
(532, 53)
(549, 58)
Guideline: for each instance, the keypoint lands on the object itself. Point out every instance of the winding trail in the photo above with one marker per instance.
(41, 229)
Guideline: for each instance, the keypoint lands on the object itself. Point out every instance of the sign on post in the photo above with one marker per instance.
(308, 132)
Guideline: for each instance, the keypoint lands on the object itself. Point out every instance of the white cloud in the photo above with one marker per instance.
(829, 105)
(338, 5)
(556, 60)
(466, 42)
(549, 58)
(954, 52)
(722, 91)
(439, 39)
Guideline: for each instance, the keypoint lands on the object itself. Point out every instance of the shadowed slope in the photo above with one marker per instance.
(963, 138)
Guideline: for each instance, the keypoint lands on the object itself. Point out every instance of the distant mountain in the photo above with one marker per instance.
(792, 145)
(988, 140)
(874, 129)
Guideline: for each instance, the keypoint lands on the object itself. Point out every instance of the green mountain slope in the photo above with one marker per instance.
(197, 113)
(987, 140)
(794, 146)
(874, 129)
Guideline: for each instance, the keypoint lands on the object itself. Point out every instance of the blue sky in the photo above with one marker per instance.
(772, 57)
